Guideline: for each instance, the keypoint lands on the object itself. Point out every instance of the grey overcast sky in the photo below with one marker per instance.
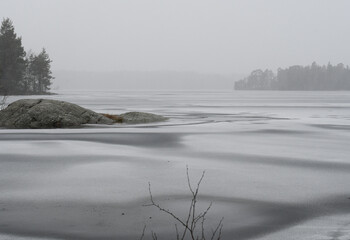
(206, 36)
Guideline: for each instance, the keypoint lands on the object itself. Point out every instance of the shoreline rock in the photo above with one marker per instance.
(46, 113)
(141, 117)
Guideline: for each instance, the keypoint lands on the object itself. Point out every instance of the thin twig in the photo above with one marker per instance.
(202, 228)
(163, 209)
(219, 226)
(143, 232)
(177, 233)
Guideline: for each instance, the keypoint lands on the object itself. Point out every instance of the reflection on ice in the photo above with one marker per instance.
(277, 166)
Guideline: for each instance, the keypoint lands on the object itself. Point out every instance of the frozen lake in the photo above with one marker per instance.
(277, 167)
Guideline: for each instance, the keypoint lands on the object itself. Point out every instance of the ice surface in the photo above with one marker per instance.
(277, 167)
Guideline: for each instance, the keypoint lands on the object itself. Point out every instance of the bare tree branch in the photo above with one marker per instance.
(162, 209)
(192, 218)
(219, 226)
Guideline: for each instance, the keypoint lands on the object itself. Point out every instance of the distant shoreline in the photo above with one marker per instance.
(299, 78)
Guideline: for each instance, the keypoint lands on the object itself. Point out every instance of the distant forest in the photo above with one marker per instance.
(309, 78)
(21, 72)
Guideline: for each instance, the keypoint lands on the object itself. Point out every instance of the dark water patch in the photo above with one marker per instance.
(279, 161)
(331, 126)
(278, 132)
(267, 106)
(17, 171)
(24, 162)
(200, 119)
(235, 116)
(68, 159)
(159, 125)
(153, 140)
(86, 220)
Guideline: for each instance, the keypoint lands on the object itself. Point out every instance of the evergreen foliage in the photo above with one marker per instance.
(21, 73)
(312, 78)
(38, 74)
(12, 63)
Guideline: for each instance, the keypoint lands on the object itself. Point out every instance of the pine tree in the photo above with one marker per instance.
(38, 73)
(12, 63)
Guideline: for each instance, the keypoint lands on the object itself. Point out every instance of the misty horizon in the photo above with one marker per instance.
(142, 80)
(174, 119)
(228, 37)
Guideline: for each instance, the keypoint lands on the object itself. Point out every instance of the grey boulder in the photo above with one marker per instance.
(45, 113)
(141, 117)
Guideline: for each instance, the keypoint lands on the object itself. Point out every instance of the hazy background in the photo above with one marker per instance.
(226, 37)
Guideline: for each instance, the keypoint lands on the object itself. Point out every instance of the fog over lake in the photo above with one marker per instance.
(205, 36)
(271, 164)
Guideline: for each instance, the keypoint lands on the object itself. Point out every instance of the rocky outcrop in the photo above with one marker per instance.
(141, 117)
(136, 117)
(45, 113)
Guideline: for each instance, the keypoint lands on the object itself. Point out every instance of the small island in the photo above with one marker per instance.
(299, 78)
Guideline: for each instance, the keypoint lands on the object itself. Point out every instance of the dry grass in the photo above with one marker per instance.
(115, 118)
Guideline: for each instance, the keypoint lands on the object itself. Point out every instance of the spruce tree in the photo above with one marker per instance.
(12, 63)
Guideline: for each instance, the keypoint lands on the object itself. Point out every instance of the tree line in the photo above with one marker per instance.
(21, 72)
(310, 78)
